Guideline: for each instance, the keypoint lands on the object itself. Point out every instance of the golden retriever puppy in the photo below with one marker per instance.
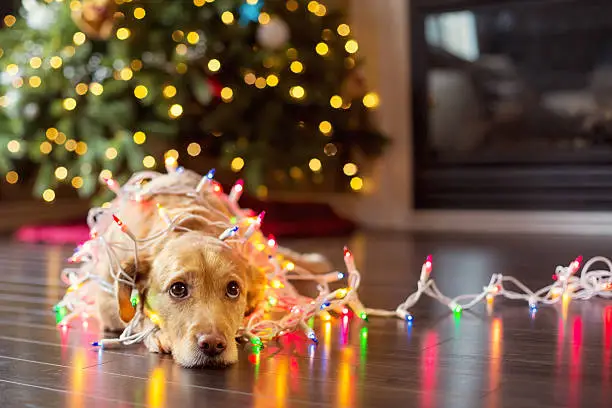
(195, 287)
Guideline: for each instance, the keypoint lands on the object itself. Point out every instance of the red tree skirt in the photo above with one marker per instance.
(282, 220)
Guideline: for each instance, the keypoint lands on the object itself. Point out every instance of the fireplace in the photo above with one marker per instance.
(512, 104)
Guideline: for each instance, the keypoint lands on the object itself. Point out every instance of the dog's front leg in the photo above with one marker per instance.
(158, 342)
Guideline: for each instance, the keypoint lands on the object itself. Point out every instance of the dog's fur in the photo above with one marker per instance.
(197, 258)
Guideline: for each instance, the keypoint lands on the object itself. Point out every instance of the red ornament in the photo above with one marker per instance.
(215, 87)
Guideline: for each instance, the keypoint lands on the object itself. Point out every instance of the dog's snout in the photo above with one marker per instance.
(211, 344)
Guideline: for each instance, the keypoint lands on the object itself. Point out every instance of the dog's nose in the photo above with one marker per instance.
(211, 344)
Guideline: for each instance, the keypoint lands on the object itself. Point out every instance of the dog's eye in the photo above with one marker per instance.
(232, 290)
(178, 290)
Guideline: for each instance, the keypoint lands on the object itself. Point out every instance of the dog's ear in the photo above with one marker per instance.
(124, 290)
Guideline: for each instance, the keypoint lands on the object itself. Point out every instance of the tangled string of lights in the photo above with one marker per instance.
(284, 309)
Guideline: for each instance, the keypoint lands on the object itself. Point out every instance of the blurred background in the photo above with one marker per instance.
(393, 114)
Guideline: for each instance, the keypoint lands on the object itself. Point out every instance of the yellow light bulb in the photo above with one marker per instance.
(356, 183)
(51, 133)
(336, 101)
(79, 38)
(81, 88)
(193, 37)
(13, 146)
(351, 46)
(148, 162)
(71, 145)
(227, 94)
(297, 92)
(81, 148)
(12, 177)
(199, 3)
(260, 83)
(106, 174)
(126, 74)
(272, 80)
(77, 182)
(141, 92)
(69, 104)
(45, 147)
(371, 100)
(60, 139)
(139, 137)
(48, 195)
(123, 33)
(290, 266)
(325, 127)
(139, 13)
(350, 169)
(55, 62)
(315, 165)
(9, 20)
(313, 6)
(34, 81)
(12, 69)
(227, 17)
(237, 164)
(321, 10)
(111, 153)
(194, 149)
(35, 62)
(322, 48)
(96, 88)
(264, 18)
(169, 91)
(296, 66)
(214, 65)
(175, 111)
(343, 30)
(61, 173)
(172, 153)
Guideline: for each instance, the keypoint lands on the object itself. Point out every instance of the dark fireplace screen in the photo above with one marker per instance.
(512, 104)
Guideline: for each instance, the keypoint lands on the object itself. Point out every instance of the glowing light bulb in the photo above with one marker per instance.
(171, 164)
(322, 48)
(79, 38)
(227, 94)
(227, 17)
(315, 165)
(69, 104)
(296, 67)
(148, 162)
(139, 13)
(123, 33)
(48, 195)
(351, 46)
(297, 92)
(169, 91)
(341, 293)
(237, 164)
(141, 92)
(175, 111)
(336, 101)
(214, 65)
(343, 30)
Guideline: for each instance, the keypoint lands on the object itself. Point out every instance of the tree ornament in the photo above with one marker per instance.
(96, 18)
(214, 86)
(273, 35)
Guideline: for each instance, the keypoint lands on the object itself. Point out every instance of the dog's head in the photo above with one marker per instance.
(197, 285)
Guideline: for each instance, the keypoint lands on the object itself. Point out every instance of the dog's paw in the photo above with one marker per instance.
(157, 342)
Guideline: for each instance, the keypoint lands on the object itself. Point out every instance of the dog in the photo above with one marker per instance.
(194, 286)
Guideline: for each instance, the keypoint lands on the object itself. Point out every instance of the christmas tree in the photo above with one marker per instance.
(268, 87)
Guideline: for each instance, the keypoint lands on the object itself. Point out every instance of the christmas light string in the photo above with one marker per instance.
(284, 309)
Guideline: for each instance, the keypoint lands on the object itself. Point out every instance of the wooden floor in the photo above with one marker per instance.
(506, 358)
